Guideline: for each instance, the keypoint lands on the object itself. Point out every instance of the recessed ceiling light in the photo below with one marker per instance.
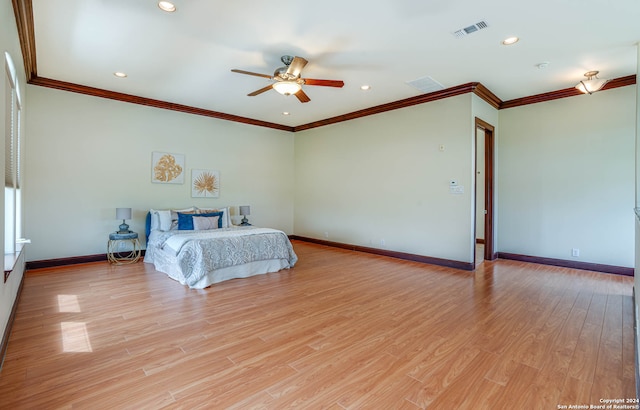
(167, 6)
(510, 40)
(120, 74)
(286, 113)
(365, 87)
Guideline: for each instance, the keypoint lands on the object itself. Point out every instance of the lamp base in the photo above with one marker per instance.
(245, 221)
(124, 228)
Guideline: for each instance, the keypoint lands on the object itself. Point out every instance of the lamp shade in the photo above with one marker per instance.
(287, 87)
(245, 210)
(123, 213)
(591, 84)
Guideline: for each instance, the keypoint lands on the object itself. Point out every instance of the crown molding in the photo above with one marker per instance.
(564, 93)
(23, 10)
(407, 102)
(112, 95)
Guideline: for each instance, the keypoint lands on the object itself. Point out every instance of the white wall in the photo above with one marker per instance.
(381, 181)
(8, 43)
(563, 178)
(87, 156)
(566, 178)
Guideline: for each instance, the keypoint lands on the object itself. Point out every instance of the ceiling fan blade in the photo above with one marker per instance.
(250, 73)
(302, 96)
(296, 66)
(324, 83)
(260, 91)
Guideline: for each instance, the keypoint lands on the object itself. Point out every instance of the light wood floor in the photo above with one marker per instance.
(340, 330)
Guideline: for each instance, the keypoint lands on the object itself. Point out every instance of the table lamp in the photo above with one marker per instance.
(244, 211)
(124, 214)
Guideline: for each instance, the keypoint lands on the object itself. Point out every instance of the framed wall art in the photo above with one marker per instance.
(167, 168)
(205, 183)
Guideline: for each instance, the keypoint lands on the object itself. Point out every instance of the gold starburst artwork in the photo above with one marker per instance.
(205, 183)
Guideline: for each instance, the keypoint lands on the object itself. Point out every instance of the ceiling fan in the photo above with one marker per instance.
(287, 80)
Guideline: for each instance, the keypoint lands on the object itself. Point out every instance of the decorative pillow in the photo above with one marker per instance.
(185, 221)
(174, 212)
(165, 220)
(205, 223)
(226, 219)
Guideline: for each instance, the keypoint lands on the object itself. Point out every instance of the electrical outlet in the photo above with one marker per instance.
(326, 234)
(575, 252)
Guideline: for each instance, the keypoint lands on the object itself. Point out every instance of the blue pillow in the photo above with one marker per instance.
(185, 221)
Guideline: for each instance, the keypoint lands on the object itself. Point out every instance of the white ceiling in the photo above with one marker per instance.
(185, 57)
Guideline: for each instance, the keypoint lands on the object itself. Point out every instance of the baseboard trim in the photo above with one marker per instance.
(52, 263)
(618, 270)
(74, 260)
(393, 254)
(7, 331)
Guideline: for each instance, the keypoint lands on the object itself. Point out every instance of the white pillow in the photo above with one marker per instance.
(164, 218)
(226, 218)
(155, 220)
(205, 223)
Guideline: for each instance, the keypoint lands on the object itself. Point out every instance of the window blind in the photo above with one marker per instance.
(9, 165)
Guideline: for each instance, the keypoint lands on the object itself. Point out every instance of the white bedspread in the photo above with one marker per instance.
(176, 242)
(201, 258)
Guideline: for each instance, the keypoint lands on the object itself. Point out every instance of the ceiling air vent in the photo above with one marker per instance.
(471, 29)
(426, 84)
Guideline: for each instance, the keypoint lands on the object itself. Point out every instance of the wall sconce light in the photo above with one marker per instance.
(591, 84)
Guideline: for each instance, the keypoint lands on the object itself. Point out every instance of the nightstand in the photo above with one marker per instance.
(119, 257)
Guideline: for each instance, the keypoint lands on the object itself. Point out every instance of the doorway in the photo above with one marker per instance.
(484, 180)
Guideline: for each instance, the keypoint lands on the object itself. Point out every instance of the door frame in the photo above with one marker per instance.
(489, 157)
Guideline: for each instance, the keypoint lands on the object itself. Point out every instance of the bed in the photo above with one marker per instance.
(200, 247)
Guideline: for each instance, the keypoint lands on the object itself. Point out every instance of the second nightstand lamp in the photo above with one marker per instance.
(244, 211)
(124, 214)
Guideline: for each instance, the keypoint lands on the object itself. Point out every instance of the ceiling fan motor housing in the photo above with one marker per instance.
(287, 60)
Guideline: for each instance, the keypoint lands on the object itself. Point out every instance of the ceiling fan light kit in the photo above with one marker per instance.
(287, 80)
(287, 87)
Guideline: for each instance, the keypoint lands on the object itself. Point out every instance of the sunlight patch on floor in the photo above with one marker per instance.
(68, 303)
(75, 337)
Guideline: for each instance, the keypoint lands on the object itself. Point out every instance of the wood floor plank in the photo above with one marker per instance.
(585, 356)
(575, 392)
(463, 386)
(341, 330)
